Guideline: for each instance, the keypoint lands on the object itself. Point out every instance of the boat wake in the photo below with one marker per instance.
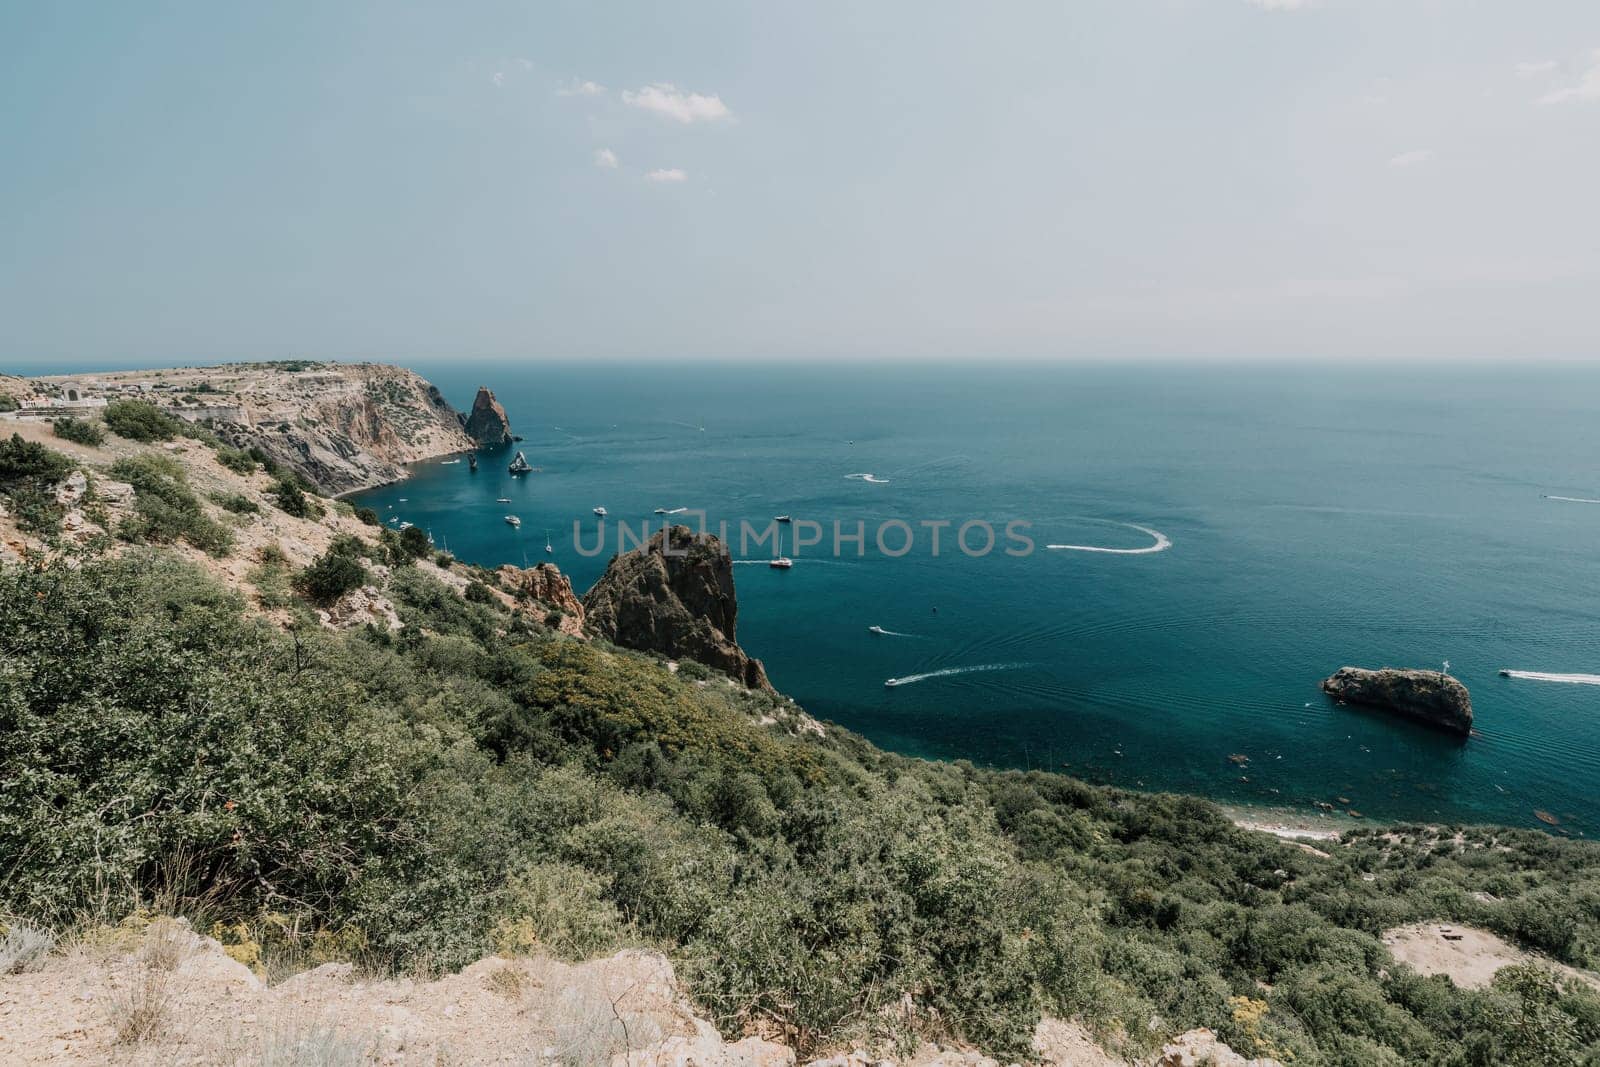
(1163, 542)
(873, 478)
(880, 631)
(948, 671)
(1540, 676)
(1573, 499)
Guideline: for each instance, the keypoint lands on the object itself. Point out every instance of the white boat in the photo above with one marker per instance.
(890, 683)
(502, 500)
(783, 563)
(513, 520)
(600, 512)
(661, 511)
(405, 526)
(394, 519)
(548, 547)
(783, 518)
(449, 462)
(876, 630)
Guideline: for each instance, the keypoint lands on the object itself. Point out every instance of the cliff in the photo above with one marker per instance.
(551, 590)
(679, 603)
(487, 423)
(345, 426)
(1432, 697)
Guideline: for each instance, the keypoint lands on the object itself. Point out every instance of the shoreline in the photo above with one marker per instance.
(1291, 825)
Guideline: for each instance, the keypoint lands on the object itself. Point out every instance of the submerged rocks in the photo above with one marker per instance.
(486, 423)
(1432, 697)
(674, 597)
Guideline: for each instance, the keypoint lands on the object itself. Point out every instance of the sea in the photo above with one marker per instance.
(1230, 536)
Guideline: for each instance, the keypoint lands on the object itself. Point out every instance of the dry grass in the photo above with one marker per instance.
(592, 1024)
(140, 1007)
(506, 981)
(301, 1043)
(24, 947)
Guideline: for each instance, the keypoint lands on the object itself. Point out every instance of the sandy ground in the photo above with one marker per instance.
(1468, 957)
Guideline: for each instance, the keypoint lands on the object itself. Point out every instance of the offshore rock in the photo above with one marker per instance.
(679, 603)
(1432, 697)
(486, 423)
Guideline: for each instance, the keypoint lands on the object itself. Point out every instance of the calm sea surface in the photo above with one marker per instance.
(1316, 518)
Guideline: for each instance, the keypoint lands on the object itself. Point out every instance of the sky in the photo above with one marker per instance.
(1097, 179)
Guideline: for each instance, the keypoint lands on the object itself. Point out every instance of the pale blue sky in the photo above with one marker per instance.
(1361, 179)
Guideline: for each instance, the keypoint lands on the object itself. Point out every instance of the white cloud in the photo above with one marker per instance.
(1282, 5)
(525, 64)
(1533, 70)
(666, 99)
(1588, 87)
(578, 88)
(1412, 158)
(606, 159)
(664, 174)
(498, 77)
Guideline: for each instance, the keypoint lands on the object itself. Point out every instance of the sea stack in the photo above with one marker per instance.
(487, 423)
(1432, 697)
(679, 603)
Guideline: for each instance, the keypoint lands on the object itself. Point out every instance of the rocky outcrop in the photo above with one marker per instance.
(1202, 1048)
(486, 423)
(674, 596)
(551, 590)
(1432, 697)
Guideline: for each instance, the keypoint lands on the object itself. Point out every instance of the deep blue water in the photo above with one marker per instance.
(1317, 518)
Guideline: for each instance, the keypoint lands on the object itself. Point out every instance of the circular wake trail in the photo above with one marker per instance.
(1570, 679)
(911, 678)
(1163, 542)
(1574, 499)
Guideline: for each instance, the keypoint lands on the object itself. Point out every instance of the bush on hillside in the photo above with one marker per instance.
(140, 420)
(333, 575)
(237, 460)
(29, 473)
(165, 508)
(79, 431)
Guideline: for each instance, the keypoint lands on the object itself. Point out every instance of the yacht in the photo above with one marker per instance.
(405, 526)
(890, 683)
(783, 518)
(875, 630)
(661, 511)
(513, 520)
(502, 500)
(600, 512)
(548, 547)
(783, 563)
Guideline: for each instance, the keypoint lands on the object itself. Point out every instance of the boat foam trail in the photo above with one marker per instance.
(1541, 676)
(887, 633)
(1163, 542)
(911, 678)
(872, 478)
(1573, 499)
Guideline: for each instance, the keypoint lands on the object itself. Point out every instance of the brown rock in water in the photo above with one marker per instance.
(487, 423)
(680, 604)
(552, 589)
(1432, 697)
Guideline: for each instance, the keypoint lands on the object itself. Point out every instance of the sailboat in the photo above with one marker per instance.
(548, 547)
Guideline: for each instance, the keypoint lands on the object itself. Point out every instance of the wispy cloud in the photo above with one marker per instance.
(665, 174)
(1282, 5)
(1413, 158)
(666, 99)
(578, 88)
(606, 159)
(498, 77)
(1588, 87)
(1533, 70)
(525, 64)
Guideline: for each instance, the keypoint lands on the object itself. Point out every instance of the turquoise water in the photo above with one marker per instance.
(1369, 516)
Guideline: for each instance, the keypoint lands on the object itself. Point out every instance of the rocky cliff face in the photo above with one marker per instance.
(345, 426)
(679, 603)
(487, 423)
(1429, 696)
(550, 589)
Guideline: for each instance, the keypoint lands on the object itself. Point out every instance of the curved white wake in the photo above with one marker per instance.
(1163, 542)
(881, 632)
(1540, 676)
(873, 478)
(1573, 499)
(911, 678)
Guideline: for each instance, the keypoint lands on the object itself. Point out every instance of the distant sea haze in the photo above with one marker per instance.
(1208, 544)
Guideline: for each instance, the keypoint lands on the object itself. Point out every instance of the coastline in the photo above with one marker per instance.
(1290, 824)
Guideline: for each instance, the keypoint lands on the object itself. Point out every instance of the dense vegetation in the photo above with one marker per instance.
(29, 473)
(476, 782)
(140, 420)
(82, 431)
(165, 508)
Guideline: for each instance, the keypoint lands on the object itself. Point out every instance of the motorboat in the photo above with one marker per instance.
(502, 500)
(876, 630)
(890, 683)
(512, 520)
(782, 563)
(600, 512)
(783, 518)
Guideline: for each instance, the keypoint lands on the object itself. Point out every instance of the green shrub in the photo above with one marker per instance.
(80, 431)
(414, 543)
(557, 909)
(368, 516)
(165, 508)
(237, 503)
(140, 420)
(29, 473)
(292, 499)
(332, 576)
(8, 402)
(237, 460)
